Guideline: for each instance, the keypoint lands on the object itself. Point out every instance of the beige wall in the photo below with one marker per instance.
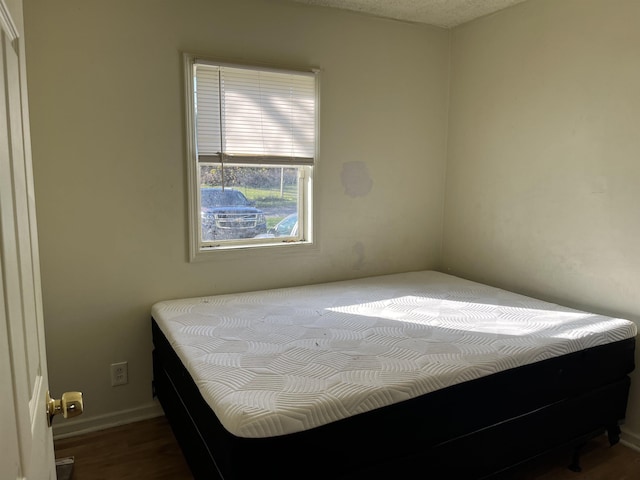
(106, 97)
(544, 156)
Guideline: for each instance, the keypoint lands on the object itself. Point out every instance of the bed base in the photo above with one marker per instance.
(432, 436)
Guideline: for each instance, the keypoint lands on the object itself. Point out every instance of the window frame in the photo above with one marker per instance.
(202, 250)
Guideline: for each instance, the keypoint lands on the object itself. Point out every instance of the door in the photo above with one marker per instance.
(26, 450)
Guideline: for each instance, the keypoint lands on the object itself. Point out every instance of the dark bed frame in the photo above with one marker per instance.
(475, 430)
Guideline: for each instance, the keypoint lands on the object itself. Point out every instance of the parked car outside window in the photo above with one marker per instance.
(287, 227)
(227, 214)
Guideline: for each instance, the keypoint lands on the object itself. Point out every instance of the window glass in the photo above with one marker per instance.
(248, 202)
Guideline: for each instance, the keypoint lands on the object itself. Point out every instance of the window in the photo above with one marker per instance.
(252, 150)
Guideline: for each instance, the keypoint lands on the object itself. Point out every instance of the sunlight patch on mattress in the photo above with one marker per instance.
(489, 318)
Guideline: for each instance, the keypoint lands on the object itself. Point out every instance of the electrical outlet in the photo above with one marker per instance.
(119, 374)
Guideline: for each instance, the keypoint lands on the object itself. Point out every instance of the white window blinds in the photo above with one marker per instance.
(246, 115)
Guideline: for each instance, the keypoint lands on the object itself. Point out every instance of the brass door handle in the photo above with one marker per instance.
(70, 405)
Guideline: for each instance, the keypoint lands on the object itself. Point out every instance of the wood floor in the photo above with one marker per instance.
(148, 451)
(143, 451)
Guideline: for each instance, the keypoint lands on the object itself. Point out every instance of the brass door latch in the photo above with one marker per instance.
(70, 405)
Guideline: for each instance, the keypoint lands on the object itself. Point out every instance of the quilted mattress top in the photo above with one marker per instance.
(280, 361)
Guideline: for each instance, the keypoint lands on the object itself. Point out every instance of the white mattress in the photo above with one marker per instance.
(281, 361)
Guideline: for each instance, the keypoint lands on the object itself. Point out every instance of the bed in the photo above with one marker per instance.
(411, 375)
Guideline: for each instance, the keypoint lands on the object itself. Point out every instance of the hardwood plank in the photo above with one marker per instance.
(142, 450)
(598, 461)
(148, 451)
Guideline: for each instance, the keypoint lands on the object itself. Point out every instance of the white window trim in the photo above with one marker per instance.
(196, 251)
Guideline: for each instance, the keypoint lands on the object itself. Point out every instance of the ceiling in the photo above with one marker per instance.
(441, 13)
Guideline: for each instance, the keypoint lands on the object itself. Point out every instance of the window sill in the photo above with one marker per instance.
(204, 254)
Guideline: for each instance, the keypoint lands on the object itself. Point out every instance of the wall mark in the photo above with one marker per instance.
(358, 251)
(356, 179)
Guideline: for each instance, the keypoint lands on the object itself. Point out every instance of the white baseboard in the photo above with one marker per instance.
(630, 439)
(83, 425)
